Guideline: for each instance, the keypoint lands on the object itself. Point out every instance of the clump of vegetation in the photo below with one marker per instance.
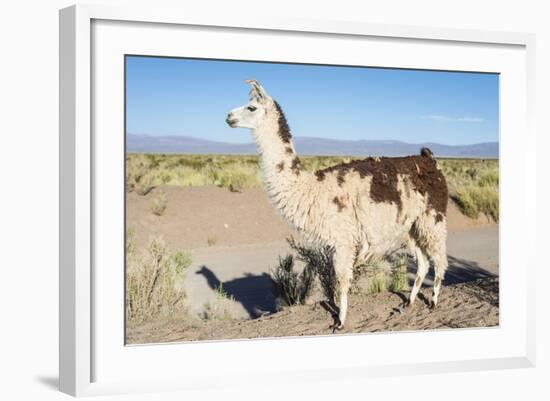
(364, 274)
(399, 278)
(154, 281)
(232, 172)
(378, 282)
(211, 240)
(291, 286)
(222, 307)
(319, 263)
(473, 185)
(238, 177)
(144, 185)
(159, 203)
(182, 260)
(381, 274)
(138, 174)
(474, 200)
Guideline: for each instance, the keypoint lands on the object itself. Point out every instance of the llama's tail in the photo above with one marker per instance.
(425, 152)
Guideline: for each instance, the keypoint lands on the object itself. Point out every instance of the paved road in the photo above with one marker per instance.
(244, 270)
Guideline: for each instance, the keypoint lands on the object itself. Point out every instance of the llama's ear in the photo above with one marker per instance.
(257, 91)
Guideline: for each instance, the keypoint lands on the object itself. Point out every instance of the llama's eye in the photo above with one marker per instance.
(251, 108)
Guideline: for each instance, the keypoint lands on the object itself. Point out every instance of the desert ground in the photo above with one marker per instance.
(234, 239)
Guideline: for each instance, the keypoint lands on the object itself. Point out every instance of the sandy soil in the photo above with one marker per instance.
(196, 214)
(476, 300)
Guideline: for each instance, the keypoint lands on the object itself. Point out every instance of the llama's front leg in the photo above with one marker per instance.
(343, 267)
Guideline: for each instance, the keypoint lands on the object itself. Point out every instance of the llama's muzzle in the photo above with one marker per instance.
(231, 121)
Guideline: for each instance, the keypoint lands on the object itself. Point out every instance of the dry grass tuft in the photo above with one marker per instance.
(154, 281)
(474, 200)
(159, 203)
(211, 240)
(473, 185)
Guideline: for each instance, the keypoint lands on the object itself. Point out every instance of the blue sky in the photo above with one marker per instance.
(171, 96)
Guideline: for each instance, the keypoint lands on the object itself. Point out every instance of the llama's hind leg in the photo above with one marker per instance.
(440, 266)
(435, 240)
(343, 267)
(422, 269)
(430, 232)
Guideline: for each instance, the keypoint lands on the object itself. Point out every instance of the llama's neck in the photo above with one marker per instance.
(280, 166)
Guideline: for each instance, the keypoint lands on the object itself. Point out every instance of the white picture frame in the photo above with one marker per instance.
(90, 342)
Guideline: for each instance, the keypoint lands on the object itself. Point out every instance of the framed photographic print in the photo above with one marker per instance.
(354, 196)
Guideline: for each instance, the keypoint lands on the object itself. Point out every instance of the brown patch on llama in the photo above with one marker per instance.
(296, 165)
(340, 178)
(284, 129)
(280, 166)
(338, 201)
(320, 175)
(421, 170)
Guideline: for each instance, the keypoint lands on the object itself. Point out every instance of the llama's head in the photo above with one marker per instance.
(252, 114)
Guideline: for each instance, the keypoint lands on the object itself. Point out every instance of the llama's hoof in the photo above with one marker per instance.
(432, 305)
(405, 305)
(337, 326)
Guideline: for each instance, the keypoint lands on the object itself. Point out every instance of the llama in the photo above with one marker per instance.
(362, 208)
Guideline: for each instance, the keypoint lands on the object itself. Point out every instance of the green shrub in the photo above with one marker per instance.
(182, 261)
(319, 263)
(399, 280)
(378, 282)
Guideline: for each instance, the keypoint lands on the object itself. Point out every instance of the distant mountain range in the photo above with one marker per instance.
(307, 146)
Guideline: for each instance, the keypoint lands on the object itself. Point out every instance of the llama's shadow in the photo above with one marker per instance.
(459, 271)
(257, 295)
(404, 298)
(253, 292)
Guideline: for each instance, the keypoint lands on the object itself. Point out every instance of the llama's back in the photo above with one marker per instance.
(418, 173)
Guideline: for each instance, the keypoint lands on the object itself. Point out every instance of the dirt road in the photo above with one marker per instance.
(244, 270)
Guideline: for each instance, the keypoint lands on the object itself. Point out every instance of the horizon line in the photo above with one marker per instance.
(314, 137)
(304, 155)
